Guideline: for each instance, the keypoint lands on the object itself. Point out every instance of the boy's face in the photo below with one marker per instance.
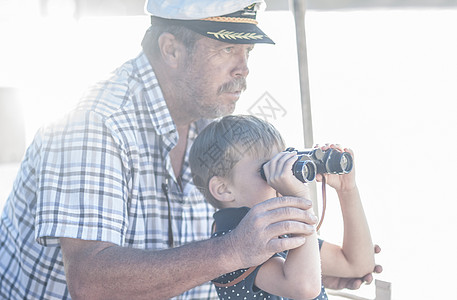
(246, 183)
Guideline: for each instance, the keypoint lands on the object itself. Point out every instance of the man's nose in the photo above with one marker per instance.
(241, 69)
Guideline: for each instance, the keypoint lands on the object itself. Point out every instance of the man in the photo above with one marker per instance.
(104, 207)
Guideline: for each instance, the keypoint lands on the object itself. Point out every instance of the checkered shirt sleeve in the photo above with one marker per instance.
(97, 175)
(83, 183)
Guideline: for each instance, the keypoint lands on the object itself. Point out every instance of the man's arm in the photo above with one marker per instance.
(99, 270)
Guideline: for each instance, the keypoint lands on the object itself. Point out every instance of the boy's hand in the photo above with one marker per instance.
(278, 173)
(340, 183)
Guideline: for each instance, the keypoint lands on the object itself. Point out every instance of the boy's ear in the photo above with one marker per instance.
(219, 189)
(170, 49)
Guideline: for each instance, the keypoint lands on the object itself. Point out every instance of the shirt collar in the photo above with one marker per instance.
(158, 110)
(228, 218)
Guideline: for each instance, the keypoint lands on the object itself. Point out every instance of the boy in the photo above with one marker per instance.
(225, 160)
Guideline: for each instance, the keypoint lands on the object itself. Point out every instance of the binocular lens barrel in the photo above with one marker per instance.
(311, 162)
(339, 163)
(304, 170)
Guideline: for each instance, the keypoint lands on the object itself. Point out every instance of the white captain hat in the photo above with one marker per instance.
(231, 21)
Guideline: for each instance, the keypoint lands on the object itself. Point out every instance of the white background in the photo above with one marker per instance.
(383, 82)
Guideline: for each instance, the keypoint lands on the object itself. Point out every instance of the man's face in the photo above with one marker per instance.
(214, 77)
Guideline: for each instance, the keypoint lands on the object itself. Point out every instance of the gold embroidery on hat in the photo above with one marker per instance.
(230, 35)
(231, 20)
(249, 10)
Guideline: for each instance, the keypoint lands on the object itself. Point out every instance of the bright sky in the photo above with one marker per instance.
(383, 82)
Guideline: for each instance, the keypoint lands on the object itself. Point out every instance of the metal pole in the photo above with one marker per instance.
(299, 16)
(299, 9)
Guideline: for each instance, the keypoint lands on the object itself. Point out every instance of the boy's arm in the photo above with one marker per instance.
(296, 277)
(356, 256)
(299, 275)
(352, 283)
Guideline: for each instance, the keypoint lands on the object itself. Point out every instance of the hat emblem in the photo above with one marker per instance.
(230, 35)
(249, 10)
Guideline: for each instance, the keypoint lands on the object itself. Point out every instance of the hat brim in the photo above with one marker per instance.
(233, 33)
(229, 32)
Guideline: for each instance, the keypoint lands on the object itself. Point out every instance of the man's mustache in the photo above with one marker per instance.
(236, 85)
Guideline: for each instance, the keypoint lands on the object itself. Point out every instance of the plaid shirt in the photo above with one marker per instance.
(98, 175)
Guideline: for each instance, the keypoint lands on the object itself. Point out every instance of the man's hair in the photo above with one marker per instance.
(184, 35)
(224, 142)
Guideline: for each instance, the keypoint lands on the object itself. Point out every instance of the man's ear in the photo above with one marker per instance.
(219, 189)
(170, 49)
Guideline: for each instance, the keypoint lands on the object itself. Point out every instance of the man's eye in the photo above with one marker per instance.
(248, 51)
(228, 50)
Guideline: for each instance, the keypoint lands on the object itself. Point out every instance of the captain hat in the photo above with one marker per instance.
(231, 21)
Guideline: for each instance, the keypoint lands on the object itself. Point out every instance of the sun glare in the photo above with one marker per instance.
(381, 81)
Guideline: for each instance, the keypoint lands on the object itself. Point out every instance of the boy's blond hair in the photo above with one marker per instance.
(225, 142)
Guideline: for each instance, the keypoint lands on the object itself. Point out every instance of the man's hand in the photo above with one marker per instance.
(257, 237)
(338, 283)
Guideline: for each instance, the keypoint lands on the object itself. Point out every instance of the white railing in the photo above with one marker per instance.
(383, 292)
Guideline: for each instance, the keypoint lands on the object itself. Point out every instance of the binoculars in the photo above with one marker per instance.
(313, 161)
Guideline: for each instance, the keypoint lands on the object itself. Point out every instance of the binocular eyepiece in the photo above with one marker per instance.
(313, 161)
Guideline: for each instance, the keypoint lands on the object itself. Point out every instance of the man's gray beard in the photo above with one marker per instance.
(215, 111)
(237, 85)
